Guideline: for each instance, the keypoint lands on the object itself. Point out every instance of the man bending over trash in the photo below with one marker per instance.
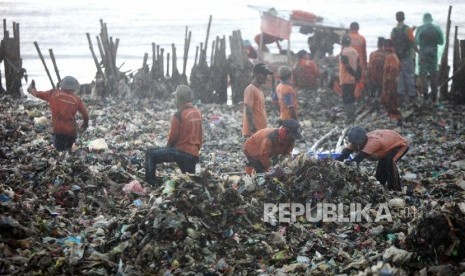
(270, 142)
(184, 139)
(384, 145)
(64, 105)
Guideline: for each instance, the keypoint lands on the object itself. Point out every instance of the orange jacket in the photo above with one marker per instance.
(254, 98)
(186, 130)
(375, 67)
(287, 98)
(306, 74)
(344, 76)
(360, 45)
(64, 105)
(380, 142)
(267, 143)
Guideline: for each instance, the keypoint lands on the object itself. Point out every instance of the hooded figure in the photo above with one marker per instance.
(428, 36)
(184, 140)
(64, 105)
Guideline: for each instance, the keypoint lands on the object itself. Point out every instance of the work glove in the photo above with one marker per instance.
(31, 86)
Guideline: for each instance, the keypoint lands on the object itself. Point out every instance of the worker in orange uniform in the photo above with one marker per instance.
(64, 105)
(267, 143)
(391, 72)
(360, 45)
(375, 72)
(254, 114)
(184, 140)
(287, 97)
(306, 72)
(383, 145)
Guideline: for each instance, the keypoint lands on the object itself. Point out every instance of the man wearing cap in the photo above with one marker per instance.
(254, 115)
(428, 36)
(64, 105)
(184, 140)
(383, 145)
(287, 98)
(270, 142)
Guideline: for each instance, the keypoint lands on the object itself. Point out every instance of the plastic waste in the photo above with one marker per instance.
(170, 186)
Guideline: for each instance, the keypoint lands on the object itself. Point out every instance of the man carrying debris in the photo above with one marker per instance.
(64, 105)
(384, 145)
(287, 97)
(254, 116)
(270, 142)
(184, 140)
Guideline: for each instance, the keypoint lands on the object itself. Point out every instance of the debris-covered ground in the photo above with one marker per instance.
(90, 213)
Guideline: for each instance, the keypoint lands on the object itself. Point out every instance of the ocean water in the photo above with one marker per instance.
(62, 26)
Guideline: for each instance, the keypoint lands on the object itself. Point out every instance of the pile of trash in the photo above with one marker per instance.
(90, 212)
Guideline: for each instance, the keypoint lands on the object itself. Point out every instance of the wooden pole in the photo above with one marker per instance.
(444, 67)
(52, 56)
(208, 33)
(99, 70)
(45, 65)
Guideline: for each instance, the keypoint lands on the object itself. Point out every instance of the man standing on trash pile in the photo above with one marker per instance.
(287, 97)
(268, 143)
(254, 115)
(184, 140)
(428, 36)
(349, 75)
(64, 105)
(384, 145)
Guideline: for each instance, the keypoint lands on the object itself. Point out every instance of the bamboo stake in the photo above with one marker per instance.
(52, 56)
(45, 65)
(99, 70)
(168, 65)
(444, 67)
(187, 42)
(208, 32)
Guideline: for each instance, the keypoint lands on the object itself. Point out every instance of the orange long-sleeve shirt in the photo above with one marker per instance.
(344, 76)
(186, 130)
(380, 142)
(254, 98)
(267, 143)
(287, 98)
(64, 105)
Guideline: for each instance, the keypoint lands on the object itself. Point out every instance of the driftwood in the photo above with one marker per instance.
(322, 139)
